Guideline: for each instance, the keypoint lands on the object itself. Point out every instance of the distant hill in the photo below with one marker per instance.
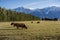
(9, 15)
(48, 12)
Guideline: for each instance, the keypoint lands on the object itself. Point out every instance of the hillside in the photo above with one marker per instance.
(9, 15)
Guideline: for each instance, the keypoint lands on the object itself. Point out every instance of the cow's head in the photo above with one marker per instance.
(25, 27)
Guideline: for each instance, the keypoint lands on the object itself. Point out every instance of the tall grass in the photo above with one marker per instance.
(49, 30)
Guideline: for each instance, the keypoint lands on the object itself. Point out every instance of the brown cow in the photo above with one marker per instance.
(22, 25)
(38, 22)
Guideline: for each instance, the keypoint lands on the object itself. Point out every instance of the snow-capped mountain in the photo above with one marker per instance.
(48, 12)
(22, 9)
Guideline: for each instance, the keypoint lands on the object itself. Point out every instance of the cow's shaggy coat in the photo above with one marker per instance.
(22, 25)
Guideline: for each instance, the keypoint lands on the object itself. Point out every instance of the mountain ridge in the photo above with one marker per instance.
(48, 12)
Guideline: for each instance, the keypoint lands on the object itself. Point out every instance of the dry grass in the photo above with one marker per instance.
(40, 31)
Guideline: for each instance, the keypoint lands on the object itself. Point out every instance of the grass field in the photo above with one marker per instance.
(45, 30)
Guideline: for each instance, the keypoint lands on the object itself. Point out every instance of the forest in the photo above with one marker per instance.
(10, 15)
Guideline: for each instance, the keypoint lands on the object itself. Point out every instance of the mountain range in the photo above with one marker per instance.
(48, 12)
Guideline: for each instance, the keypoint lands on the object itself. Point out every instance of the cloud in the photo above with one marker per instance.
(42, 4)
(35, 2)
(31, 4)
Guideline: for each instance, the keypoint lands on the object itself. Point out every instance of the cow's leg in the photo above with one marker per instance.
(17, 27)
(22, 27)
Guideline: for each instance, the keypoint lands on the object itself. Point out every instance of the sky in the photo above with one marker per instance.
(31, 4)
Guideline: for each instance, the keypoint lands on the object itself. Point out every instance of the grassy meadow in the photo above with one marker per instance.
(45, 30)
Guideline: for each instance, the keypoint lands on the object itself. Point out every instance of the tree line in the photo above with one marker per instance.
(9, 15)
